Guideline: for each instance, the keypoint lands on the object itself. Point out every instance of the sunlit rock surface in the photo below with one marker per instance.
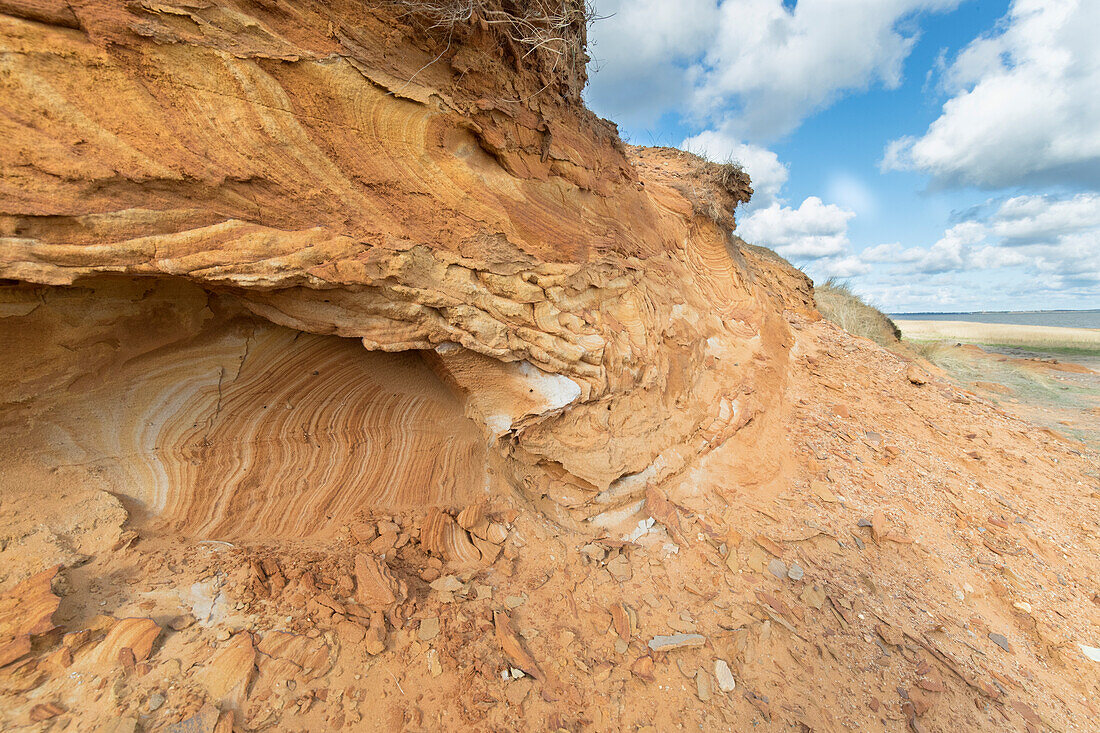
(219, 202)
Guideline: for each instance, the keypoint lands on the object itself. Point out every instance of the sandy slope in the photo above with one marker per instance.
(922, 521)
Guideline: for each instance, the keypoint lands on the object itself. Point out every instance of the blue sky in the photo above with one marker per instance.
(939, 154)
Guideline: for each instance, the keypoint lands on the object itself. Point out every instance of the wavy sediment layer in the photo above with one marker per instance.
(328, 186)
(217, 424)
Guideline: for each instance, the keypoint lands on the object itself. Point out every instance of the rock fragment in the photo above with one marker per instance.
(204, 721)
(181, 622)
(127, 724)
(620, 568)
(643, 667)
(1000, 640)
(517, 691)
(496, 533)
(228, 672)
(434, 667)
(1090, 652)
(429, 629)
(703, 686)
(916, 375)
(769, 544)
(732, 561)
(375, 641)
(129, 638)
(26, 611)
(442, 536)
(447, 584)
(1026, 712)
(593, 552)
(813, 596)
(45, 711)
(363, 532)
(512, 647)
(621, 621)
(757, 559)
(665, 643)
(376, 587)
(383, 543)
(350, 632)
(878, 524)
(724, 676)
(881, 531)
(823, 492)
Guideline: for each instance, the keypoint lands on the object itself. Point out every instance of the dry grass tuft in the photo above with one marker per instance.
(731, 176)
(722, 186)
(839, 304)
(549, 28)
(549, 25)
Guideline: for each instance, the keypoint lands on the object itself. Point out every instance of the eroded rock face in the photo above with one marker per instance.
(206, 196)
(219, 423)
(295, 290)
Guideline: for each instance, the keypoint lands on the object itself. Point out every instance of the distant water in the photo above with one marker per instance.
(1065, 319)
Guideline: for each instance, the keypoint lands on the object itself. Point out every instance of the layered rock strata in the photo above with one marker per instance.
(182, 183)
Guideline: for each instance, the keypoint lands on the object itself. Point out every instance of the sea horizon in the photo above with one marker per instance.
(1086, 318)
(971, 313)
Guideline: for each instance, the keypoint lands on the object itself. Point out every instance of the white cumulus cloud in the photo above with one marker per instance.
(812, 231)
(641, 53)
(1025, 104)
(1041, 219)
(729, 78)
(840, 267)
(774, 65)
(1056, 240)
(753, 69)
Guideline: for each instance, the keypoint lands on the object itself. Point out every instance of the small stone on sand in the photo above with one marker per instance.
(1000, 640)
(1090, 652)
(675, 641)
(429, 628)
(703, 685)
(722, 673)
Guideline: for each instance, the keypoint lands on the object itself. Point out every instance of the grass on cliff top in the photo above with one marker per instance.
(554, 26)
(839, 304)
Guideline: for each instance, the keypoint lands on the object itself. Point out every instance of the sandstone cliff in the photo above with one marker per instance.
(336, 171)
(330, 325)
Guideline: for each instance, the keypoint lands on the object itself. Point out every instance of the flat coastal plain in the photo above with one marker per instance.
(1031, 338)
(1049, 375)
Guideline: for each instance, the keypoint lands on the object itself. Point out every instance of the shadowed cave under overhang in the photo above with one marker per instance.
(211, 422)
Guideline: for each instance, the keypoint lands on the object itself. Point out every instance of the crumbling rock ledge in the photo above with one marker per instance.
(586, 301)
